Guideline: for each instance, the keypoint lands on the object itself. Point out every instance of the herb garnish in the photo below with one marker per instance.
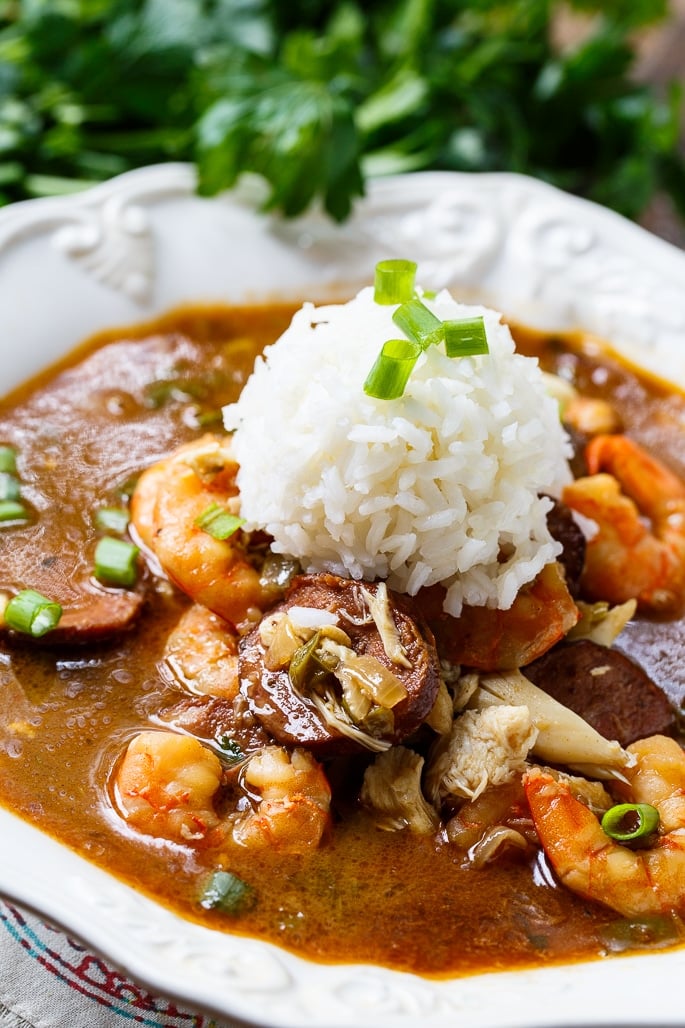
(317, 95)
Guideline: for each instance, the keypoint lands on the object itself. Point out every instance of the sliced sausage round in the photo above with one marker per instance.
(96, 618)
(564, 528)
(217, 720)
(293, 719)
(609, 690)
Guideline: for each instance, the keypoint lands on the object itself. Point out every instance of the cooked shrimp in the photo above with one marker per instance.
(626, 559)
(632, 882)
(168, 500)
(591, 416)
(202, 653)
(293, 810)
(165, 785)
(491, 639)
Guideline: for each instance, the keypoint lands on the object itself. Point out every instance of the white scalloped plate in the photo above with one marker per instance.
(143, 243)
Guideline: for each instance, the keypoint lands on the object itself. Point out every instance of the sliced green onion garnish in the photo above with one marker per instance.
(394, 281)
(166, 390)
(10, 488)
(628, 822)
(112, 519)
(647, 931)
(231, 749)
(116, 562)
(126, 489)
(12, 510)
(466, 337)
(8, 460)
(31, 612)
(226, 892)
(217, 522)
(206, 418)
(418, 323)
(390, 373)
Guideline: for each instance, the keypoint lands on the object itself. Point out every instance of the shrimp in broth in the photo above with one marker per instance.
(286, 727)
(588, 861)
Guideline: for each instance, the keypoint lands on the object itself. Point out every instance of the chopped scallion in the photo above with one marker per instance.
(231, 749)
(207, 418)
(116, 562)
(418, 323)
(217, 522)
(394, 281)
(630, 822)
(12, 510)
(390, 374)
(8, 460)
(466, 337)
(159, 394)
(126, 489)
(646, 931)
(228, 893)
(112, 519)
(10, 488)
(31, 612)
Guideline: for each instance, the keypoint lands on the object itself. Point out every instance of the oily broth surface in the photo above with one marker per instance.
(83, 432)
(66, 714)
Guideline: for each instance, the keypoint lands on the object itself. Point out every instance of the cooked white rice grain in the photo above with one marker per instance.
(434, 487)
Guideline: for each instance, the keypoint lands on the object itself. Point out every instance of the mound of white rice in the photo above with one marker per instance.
(441, 485)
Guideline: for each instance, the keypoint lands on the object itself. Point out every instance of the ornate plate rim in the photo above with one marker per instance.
(143, 243)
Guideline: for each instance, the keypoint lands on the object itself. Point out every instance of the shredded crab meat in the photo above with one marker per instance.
(485, 747)
(392, 789)
(563, 737)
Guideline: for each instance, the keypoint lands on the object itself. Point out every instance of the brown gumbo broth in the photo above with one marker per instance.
(83, 433)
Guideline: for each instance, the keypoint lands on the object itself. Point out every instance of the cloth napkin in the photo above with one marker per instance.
(47, 980)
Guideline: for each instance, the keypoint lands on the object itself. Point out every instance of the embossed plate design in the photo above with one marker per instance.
(144, 243)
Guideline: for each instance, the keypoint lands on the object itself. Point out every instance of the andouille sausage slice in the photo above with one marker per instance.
(564, 528)
(293, 719)
(96, 617)
(216, 719)
(608, 689)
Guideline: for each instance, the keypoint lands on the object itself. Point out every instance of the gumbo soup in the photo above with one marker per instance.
(378, 660)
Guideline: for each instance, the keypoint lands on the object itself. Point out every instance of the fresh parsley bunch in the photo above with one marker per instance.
(315, 96)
